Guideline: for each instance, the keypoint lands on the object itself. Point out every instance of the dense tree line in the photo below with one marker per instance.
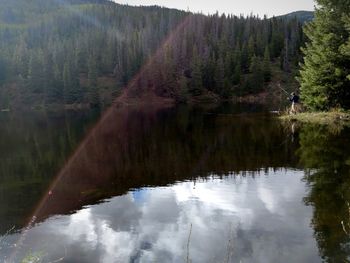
(61, 51)
(325, 74)
(226, 55)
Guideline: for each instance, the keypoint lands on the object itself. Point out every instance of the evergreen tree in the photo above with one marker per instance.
(55, 92)
(284, 58)
(256, 79)
(267, 65)
(226, 91)
(196, 86)
(2, 70)
(20, 58)
(72, 91)
(219, 75)
(48, 75)
(324, 75)
(245, 59)
(92, 72)
(94, 96)
(67, 84)
(183, 86)
(207, 73)
(35, 73)
(237, 75)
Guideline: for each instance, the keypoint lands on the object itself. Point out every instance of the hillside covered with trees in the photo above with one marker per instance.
(87, 51)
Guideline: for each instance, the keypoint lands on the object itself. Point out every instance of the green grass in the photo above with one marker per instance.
(334, 117)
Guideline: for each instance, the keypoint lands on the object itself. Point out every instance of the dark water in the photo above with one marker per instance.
(224, 184)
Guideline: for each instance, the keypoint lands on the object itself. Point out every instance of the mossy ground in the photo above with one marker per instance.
(334, 117)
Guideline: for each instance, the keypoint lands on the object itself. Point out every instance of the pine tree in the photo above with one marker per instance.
(2, 70)
(72, 90)
(35, 73)
(21, 59)
(183, 92)
(92, 71)
(284, 58)
(267, 65)
(245, 59)
(219, 76)
(55, 92)
(256, 79)
(67, 85)
(196, 86)
(237, 75)
(208, 76)
(324, 75)
(226, 91)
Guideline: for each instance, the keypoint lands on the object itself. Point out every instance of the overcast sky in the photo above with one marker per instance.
(261, 7)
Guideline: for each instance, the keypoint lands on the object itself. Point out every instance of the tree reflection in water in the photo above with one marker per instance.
(325, 154)
(140, 146)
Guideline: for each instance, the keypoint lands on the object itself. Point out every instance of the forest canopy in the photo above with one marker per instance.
(86, 51)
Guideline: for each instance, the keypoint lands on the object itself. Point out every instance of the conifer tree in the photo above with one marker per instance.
(324, 75)
(35, 73)
(92, 71)
(183, 92)
(257, 75)
(237, 75)
(219, 76)
(245, 59)
(196, 86)
(2, 70)
(267, 65)
(67, 83)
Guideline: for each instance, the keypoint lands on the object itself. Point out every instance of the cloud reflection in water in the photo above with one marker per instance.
(263, 216)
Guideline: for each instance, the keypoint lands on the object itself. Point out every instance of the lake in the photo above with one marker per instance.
(229, 183)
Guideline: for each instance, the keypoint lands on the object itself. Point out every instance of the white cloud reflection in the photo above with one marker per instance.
(263, 216)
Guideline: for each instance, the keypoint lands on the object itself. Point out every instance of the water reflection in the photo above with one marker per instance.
(325, 153)
(138, 147)
(144, 175)
(33, 145)
(238, 218)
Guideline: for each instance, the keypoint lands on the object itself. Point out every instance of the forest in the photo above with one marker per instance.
(87, 51)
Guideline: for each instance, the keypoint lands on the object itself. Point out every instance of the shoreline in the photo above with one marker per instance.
(321, 118)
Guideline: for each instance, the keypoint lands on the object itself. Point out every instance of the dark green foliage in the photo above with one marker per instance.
(326, 160)
(245, 58)
(62, 50)
(72, 90)
(59, 49)
(325, 73)
(92, 72)
(267, 65)
(2, 70)
(237, 75)
(302, 16)
(196, 84)
(183, 92)
(219, 76)
(36, 73)
(256, 79)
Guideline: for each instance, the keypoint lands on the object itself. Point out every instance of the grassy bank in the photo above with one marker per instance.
(323, 118)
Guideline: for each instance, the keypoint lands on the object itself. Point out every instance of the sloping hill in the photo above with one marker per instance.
(86, 51)
(302, 16)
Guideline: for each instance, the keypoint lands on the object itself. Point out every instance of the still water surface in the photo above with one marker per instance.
(224, 184)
